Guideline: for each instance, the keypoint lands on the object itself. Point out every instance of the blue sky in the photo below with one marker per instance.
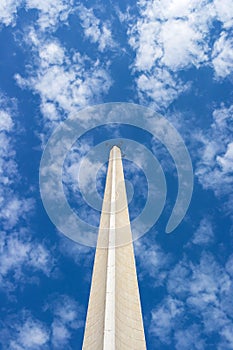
(59, 56)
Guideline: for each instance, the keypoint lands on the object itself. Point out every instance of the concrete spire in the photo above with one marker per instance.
(114, 318)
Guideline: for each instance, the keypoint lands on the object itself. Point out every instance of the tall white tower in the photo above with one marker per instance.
(114, 317)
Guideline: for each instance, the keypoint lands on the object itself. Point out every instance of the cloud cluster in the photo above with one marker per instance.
(152, 260)
(19, 253)
(66, 319)
(51, 13)
(222, 55)
(96, 30)
(23, 259)
(201, 292)
(12, 207)
(171, 36)
(204, 235)
(164, 317)
(26, 332)
(214, 170)
(65, 81)
(8, 11)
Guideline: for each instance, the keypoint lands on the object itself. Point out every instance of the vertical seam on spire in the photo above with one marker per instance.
(109, 324)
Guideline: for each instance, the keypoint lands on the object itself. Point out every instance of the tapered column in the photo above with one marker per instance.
(114, 318)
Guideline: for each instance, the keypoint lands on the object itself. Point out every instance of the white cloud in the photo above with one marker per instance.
(205, 281)
(227, 334)
(170, 36)
(40, 258)
(64, 81)
(8, 11)
(87, 176)
(14, 209)
(214, 170)
(224, 11)
(164, 319)
(6, 123)
(190, 338)
(81, 179)
(229, 266)
(18, 252)
(95, 29)
(161, 87)
(181, 50)
(51, 53)
(80, 171)
(60, 334)
(50, 12)
(32, 335)
(226, 161)
(204, 234)
(222, 56)
(66, 313)
(152, 260)
(24, 333)
(200, 290)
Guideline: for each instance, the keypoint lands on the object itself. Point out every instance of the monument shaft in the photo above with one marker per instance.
(114, 317)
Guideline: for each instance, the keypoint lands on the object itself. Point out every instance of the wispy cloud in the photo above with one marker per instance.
(214, 170)
(18, 251)
(24, 331)
(200, 292)
(80, 254)
(164, 319)
(96, 30)
(66, 314)
(18, 254)
(204, 234)
(64, 80)
(190, 338)
(152, 260)
(51, 12)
